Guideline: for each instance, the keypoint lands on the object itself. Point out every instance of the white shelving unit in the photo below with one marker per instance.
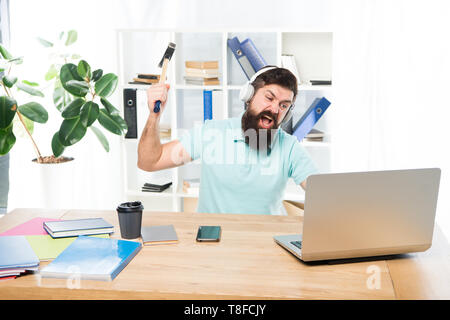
(140, 50)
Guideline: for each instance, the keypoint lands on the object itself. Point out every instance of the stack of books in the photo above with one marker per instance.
(16, 257)
(202, 73)
(151, 187)
(315, 135)
(191, 186)
(145, 78)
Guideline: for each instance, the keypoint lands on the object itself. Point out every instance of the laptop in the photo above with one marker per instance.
(366, 214)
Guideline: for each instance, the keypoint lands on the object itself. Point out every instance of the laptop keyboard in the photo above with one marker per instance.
(298, 244)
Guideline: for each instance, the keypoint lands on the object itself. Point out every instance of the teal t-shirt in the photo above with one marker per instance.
(238, 179)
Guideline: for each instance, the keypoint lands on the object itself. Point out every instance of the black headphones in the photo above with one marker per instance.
(248, 90)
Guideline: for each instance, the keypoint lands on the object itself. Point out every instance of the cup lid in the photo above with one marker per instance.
(130, 206)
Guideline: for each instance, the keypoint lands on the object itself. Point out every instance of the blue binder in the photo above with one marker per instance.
(92, 258)
(207, 105)
(252, 54)
(241, 58)
(310, 117)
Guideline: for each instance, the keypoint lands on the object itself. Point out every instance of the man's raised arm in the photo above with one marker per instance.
(152, 155)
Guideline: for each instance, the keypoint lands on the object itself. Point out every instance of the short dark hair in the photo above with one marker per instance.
(280, 76)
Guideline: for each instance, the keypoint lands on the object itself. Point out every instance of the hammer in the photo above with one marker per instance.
(164, 63)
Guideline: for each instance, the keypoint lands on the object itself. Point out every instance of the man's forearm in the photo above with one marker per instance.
(150, 148)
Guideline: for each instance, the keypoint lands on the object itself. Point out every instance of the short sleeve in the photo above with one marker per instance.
(300, 163)
(191, 140)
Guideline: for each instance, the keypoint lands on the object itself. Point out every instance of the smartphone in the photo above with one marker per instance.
(209, 233)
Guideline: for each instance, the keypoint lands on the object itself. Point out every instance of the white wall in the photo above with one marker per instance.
(384, 79)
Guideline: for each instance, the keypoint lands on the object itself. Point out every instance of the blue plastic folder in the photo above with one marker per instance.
(16, 253)
(242, 59)
(93, 259)
(253, 55)
(207, 105)
(310, 117)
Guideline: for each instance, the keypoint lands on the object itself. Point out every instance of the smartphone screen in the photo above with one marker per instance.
(208, 233)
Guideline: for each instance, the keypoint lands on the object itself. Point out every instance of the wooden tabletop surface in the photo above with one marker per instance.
(245, 264)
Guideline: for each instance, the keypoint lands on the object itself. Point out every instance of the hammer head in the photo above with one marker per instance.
(168, 54)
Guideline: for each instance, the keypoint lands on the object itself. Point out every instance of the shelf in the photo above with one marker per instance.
(137, 193)
(183, 194)
(139, 50)
(197, 87)
(315, 144)
(307, 87)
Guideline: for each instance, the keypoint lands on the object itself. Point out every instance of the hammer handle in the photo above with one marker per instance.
(162, 79)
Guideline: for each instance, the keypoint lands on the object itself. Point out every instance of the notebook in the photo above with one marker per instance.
(152, 235)
(48, 248)
(31, 227)
(16, 253)
(92, 258)
(73, 228)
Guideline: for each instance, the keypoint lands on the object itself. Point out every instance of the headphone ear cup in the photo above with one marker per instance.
(246, 92)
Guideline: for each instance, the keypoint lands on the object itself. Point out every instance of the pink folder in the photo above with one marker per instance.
(31, 227)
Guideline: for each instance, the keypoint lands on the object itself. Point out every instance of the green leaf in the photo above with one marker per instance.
(18, 60)
(29, 89)
(101, 137)
(34, 111)
(77, 88)
(69, 72)
(57, 146)
(71, 131)
(19, 130)
(51, 73)
(9, 81)
(73, 109)
(120, 121)
(84, 70)
(61, 35)
(71, 37)
(106, 85)
(45, 43)
(89, 113)
(33, 84)
(59, 98)
(8, 108)
(7, 140)
(111, 109)
(5, 54)
(97, 74)
(108, 122)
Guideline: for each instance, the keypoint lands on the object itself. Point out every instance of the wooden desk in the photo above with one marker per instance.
(245, 264)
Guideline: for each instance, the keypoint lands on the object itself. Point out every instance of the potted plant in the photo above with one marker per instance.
(80, 95)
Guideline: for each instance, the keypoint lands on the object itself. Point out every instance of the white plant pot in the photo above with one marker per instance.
(56, 184)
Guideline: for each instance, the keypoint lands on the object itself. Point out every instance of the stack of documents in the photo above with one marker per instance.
(16, 257)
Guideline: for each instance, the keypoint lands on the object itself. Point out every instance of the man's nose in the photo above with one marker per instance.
(274, 107)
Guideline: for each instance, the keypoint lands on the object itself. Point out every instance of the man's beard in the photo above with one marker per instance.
(256, 137)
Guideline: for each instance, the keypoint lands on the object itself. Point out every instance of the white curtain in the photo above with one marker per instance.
(391, 83)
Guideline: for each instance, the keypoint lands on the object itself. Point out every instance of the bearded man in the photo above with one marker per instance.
(245, 161)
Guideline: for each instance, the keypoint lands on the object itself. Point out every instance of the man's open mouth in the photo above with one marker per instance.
(266, 122)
